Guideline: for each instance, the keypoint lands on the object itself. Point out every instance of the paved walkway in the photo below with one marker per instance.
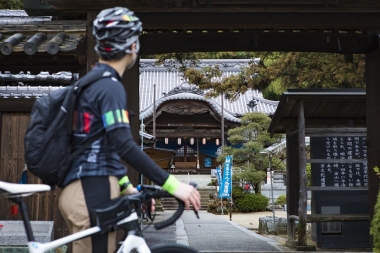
(210, 233)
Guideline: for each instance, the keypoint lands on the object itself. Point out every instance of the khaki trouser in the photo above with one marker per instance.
(72, 205)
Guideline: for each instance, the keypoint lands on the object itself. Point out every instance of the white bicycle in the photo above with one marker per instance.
(120, 213)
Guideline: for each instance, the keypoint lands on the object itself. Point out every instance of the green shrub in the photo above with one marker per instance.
(237, 193)
(252, 202)
(281, 200)
(375, 227)
(215, 206)
(213, 182)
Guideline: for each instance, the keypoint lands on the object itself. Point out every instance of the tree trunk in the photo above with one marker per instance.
(257, 187)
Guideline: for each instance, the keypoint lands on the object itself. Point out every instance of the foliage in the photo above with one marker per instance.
(375, 226)
(281, 200)
(314, 70)
(274, 90)
(213, 182)
(375, 223)
(215, 206)
(247, 141)
(237, 193)
(11, 4)
(308, 174)
(275, 72)
(253, 203)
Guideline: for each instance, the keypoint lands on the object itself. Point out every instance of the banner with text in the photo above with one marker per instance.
(225, 191)
(219, 176)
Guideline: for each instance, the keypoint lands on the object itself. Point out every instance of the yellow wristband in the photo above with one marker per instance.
(171, 184)
(124, 184)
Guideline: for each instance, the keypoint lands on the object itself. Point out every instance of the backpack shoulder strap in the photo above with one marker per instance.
(79, 86)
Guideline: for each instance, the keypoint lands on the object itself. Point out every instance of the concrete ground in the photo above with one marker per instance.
(217, 234)
(210, 233)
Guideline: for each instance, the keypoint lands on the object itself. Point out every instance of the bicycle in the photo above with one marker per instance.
(120, 213)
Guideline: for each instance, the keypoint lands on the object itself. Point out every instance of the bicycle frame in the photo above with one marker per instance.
(131, 242)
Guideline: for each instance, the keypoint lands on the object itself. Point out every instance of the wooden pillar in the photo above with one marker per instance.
(302, 211)
(373, 126)
(292, 179)
(185, 153)
(131, 84)
(91, 56)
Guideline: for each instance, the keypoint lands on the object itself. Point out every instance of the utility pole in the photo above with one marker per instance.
(154, 114)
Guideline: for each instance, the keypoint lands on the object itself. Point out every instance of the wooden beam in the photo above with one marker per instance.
(16, 104)
(160, 43)
(188, 134)
(209, 125)
(325, 121)
(336, 160)
(327, 132)
(37, 63)
(336, 217)
(333, 188)
(258, 20)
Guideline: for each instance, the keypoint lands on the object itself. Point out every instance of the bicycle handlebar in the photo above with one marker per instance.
(147, 192)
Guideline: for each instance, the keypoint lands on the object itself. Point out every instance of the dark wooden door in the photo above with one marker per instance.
(42, 206)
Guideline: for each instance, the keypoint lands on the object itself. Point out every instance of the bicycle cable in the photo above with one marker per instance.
(151, 222)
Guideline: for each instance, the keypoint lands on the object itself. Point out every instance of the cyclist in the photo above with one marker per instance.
(96, 175)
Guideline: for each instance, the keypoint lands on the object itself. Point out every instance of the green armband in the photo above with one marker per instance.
(171, 184)
(124, 184)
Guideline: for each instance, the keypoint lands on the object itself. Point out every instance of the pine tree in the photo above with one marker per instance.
(247, 141)
(11, 5)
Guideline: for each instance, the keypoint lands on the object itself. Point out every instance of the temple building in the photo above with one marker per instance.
(186, 121)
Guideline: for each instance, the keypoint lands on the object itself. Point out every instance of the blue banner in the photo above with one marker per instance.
(225, 191)
(219, 176)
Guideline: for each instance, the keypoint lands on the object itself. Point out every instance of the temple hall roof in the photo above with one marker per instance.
(171, 86)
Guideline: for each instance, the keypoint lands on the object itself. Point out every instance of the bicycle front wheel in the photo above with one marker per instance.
(172, 248)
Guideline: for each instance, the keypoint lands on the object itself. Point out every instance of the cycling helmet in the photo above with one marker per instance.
(115, 30)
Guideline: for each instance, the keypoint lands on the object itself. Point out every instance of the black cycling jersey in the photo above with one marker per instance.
(102, 106)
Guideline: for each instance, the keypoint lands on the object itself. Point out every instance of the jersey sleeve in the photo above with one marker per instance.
(113, 105)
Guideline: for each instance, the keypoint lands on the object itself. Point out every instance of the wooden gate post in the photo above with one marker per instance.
(303, 180)
(373, 126)
(131, 84)
(92, 56)
(292, 179)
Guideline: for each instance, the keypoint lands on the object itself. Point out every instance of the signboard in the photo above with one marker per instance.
(219, 176)
(225, 191)
(208, 162)
(339, 174)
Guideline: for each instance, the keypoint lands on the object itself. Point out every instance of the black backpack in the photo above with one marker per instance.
(48, 149)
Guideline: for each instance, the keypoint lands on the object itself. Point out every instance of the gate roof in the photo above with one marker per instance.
(323, 108)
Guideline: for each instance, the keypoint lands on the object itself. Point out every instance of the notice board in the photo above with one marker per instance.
(339, 174)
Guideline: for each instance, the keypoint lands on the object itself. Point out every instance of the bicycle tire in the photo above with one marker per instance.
(172, 248)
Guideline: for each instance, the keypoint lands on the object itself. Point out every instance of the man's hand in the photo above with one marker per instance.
(189, 195)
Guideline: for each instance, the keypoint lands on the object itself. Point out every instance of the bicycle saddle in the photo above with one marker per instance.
(15, 189)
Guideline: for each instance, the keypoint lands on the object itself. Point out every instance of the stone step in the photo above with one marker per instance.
(203, 208)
